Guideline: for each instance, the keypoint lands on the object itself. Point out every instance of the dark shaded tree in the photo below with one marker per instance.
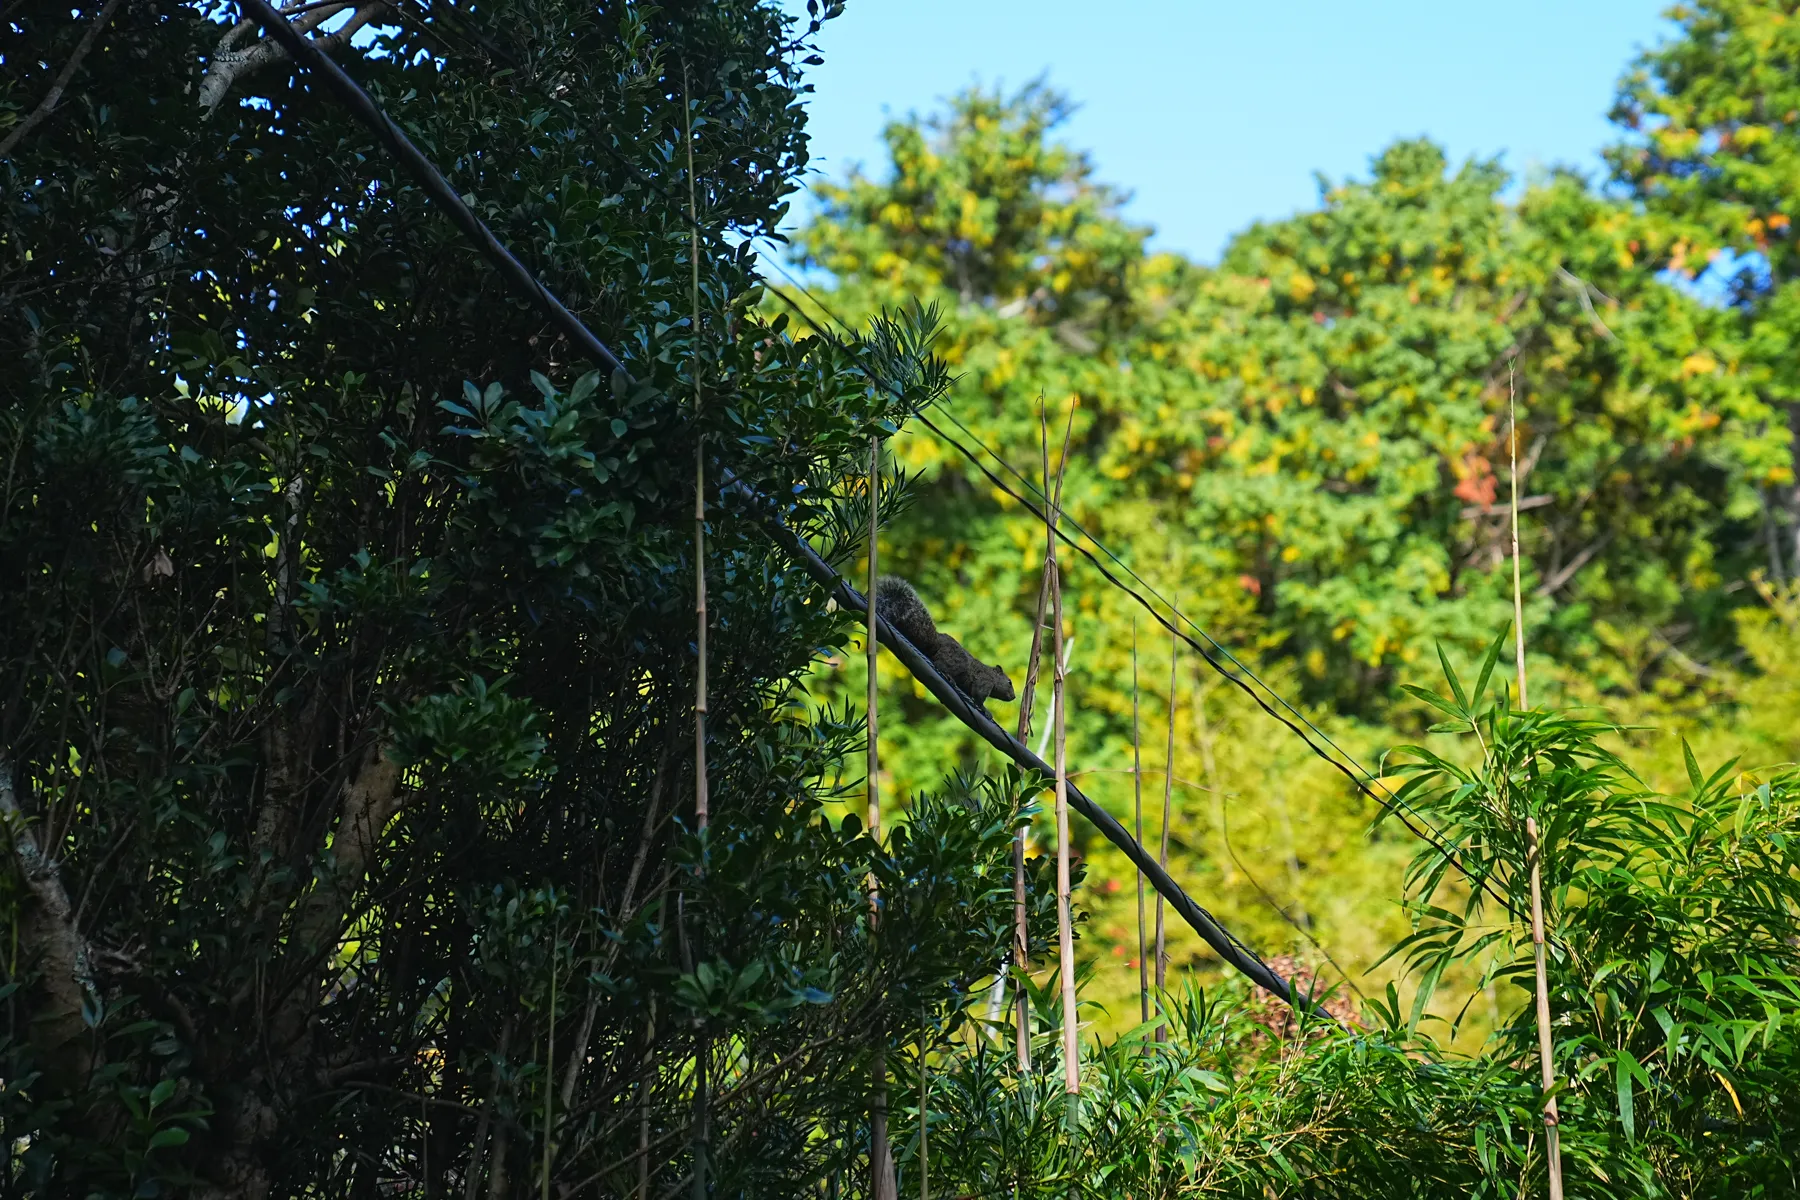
(347, 674)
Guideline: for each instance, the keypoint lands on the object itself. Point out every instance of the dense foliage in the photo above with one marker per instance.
(1674, 973)
(1306, 449)
(1317, 427)
(348, 665)
(349, 656)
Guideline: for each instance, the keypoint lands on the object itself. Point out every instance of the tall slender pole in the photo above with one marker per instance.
(1546, 1059)
(1546, 1055)
(870, 644)
(702, 805)
(1137, 813)
(881, 1159)
(1021, 950)
(925, 1111)
(1065, 929)
(1512, 415)
(1021, 945)
(1162, 854)
(702, 800)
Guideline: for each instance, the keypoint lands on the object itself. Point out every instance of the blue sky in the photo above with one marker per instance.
(1215, 115)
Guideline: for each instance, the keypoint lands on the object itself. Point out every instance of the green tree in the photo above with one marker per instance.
(1318, 426)
(347, 679)
(1712, 148)
(1672, 935)
(1306, 448)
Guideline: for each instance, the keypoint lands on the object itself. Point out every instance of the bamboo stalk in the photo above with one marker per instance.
(1162, 854)
(549, 1068)
(1546, 1060)
(1137, 812)
(925, 1111)
(1512, 414)
(869, 643)
(702, 805)
(1546, 1057)
(702, 801)
(881, 1157)
(1065, 930)
(1021, 948)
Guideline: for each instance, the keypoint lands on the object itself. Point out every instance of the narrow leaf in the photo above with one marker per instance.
(1622, 1080)
(1693, 768)
(1487, 665)
(1456, 688)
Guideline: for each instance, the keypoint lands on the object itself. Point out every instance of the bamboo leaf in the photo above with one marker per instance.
(1693, 768)
(1456, 688)
(1487, 665)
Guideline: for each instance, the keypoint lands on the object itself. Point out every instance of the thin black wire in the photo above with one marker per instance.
(1415, 823)
(1143, 583)
(350, 94)
(1033, 487)
(1228, 945)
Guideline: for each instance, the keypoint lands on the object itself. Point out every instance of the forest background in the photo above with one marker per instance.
(1304, 447)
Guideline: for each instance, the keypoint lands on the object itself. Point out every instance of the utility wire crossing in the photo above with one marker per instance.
(1360, 777)
(1231, 949)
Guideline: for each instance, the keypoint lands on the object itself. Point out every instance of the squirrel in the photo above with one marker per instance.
(900, 605)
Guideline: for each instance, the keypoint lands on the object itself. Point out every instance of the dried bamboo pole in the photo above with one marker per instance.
(1137, 813)
(1162, 853)
(1021, 950)
(925, 1110)
(702, 801)
(1546, 1057)
(1065, 930)
(882, 1185)
(549, 1068)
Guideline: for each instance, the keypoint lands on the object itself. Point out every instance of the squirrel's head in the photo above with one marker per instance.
(999, 685)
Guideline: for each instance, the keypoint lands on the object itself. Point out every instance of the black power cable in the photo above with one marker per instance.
(1222, 941)
(300, 47)
(351, 96)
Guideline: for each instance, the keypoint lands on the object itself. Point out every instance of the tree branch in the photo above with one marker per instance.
(229, 64)
(1550, 585)
(47, 931)
(51, 98)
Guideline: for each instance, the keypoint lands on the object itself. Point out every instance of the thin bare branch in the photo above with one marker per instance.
(54, 96)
